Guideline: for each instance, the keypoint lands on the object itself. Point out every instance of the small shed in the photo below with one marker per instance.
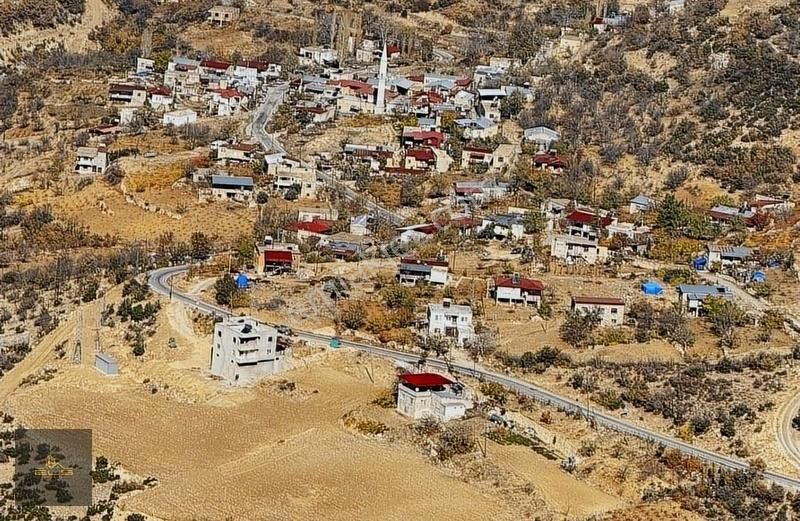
(700, 263)
(242, 281)
(106, 364)
(652, 287)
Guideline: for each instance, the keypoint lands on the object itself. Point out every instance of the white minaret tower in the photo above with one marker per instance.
(380, 102)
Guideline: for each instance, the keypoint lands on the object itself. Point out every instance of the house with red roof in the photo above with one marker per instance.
(551, 161)
(306, 229)
(420, 158)
(421, 395)
(226, 102)
(416, 137)
(517, 290)
(355, 96)
(161, 98)
(587, 223)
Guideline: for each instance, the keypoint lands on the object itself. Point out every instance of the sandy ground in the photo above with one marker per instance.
(247, 461)
(557, 487)
(74, 38)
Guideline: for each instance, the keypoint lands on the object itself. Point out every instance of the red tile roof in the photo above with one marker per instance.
(424, 379)
(315, 226)
(392, 49)
(551, 160)
(282, 256)
(420, 154)
(161, 91)
(215, 64)
(464, 82)
(228, 93)
(522, 283)
(581, 217)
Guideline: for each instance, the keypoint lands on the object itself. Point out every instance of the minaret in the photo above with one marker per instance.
(380, 102)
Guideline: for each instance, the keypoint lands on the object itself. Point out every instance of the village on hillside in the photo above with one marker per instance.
(351, 243)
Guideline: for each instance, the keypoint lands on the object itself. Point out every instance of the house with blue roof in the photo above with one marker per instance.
(692, 296)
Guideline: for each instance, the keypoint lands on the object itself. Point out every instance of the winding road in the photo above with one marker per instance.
(261, 116)
(159, 281)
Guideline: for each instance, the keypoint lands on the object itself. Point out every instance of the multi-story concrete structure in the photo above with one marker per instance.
(129, 95)
(430, 394)
(180, 117)
(574, 249)
(223, 14)
(450, 320)
(91, 160)
(301, 178)
(245, 350)
(611, 310)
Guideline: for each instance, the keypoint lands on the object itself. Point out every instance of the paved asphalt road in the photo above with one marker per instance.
(257, 129)
(159, 281)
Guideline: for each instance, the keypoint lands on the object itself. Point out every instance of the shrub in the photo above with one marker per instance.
(456, 439)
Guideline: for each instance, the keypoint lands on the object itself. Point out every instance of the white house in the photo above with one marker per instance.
(245, 350)
(481, 128)
(412, 270)
(129, 95)
(161, 98)
(543, 137)
(451, 321)
(610, 310)
(239, 152)
(573, 249)
(91, 160)
(504, 226)
(517, 290)
(504, 156)
(232, 188)
(641, 203)
(472, 155)
(359, 224)
(728, 255)
(421, 395)
(226, 102)
(145, 66)
(307, 214)
(309, 56)
(286, 177)
(479, 191)
(223, 14)
(179, 118)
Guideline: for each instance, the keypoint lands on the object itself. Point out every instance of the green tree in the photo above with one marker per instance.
(224, 290)
(725, 318)
(245, 250)
(511, 106)
(672, 214)
(200, 246)
(534, 222)
(577, 329)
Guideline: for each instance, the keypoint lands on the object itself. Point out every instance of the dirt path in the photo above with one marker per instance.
(75, 38)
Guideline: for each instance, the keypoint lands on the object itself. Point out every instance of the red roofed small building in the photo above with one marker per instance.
(517, 290)
(420, 395)
(306, 229)
(421, 158)
(551, 161)
(416, 138)
(160, 98)
(226, 102)
(585, 223)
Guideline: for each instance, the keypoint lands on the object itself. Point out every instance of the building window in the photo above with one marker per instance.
(613, 311)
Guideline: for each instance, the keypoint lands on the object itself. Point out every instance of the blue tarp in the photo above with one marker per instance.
(759, 276)
(699, 263)
(242, 281)
(652, 287)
